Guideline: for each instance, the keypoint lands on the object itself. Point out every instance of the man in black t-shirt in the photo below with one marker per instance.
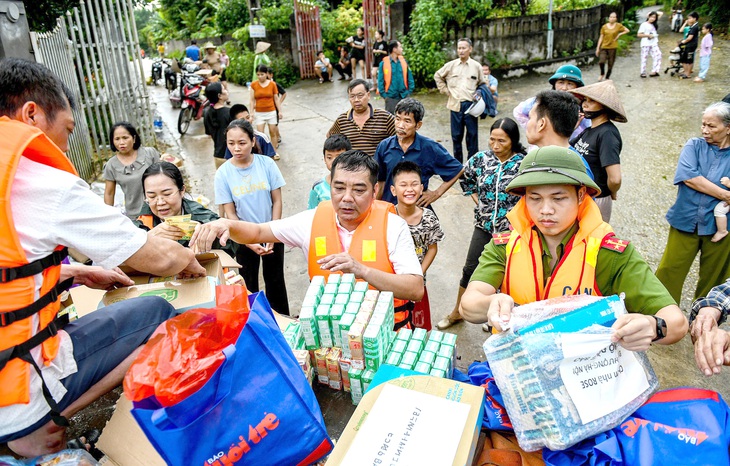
(216, 119)
(601, 144)
(689, 45)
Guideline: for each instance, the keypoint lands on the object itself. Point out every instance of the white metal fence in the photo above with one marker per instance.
(95, 51)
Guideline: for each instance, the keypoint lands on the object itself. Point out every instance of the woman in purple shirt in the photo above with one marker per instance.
(702, 163)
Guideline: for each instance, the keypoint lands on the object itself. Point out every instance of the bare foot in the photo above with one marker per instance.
(718, 236)
(48, 439)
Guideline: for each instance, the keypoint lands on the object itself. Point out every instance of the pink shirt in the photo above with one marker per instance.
(706, 45)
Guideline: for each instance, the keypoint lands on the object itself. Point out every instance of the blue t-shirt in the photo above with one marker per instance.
(192, 52)
(432, 157)
(693, 210)
(266, 148)
(249, 188)
(321, 191)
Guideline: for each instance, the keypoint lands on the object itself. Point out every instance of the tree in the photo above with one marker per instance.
(42, 14)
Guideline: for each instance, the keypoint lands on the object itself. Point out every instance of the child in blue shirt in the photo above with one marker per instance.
(333, 147)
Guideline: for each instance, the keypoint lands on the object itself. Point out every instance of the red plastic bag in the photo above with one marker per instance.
(185, 351)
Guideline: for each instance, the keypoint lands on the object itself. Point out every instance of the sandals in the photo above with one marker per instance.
(89, 438)
(653, 75)
(447, 322)
(643, 75)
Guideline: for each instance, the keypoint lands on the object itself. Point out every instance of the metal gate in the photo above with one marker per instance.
(376, 16)
(95, 51)
(309, 36)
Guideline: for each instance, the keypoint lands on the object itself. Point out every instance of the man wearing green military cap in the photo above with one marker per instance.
(559, 246)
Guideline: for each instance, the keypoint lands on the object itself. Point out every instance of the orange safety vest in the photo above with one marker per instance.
(369, 245)
(147, 221)
(388, 71)
(576, 271)
(17, 284)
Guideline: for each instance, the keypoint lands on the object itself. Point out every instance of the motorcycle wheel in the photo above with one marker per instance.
(184, 119)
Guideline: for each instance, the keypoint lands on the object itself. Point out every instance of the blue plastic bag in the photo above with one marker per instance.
(495, 415)
(257, 408)
(688, 426)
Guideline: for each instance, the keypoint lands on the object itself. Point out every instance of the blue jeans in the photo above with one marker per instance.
(704, 66)
(101, 341)
(459, 121)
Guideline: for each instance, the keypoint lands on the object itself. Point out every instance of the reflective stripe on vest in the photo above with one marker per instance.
(369, 244)
(19, 140)
(575, 273)
(388, 72)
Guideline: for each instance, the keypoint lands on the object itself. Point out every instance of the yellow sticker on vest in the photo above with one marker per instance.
(368, 250)
(320, 246)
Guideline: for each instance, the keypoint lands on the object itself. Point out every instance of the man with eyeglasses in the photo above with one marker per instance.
(560, 245)
(363, 125)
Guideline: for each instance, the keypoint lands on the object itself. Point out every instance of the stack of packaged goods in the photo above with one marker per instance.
(294, 336)
(434, 356)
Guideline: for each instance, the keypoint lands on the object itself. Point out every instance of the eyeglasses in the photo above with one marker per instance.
(161, 197)
(357, 96)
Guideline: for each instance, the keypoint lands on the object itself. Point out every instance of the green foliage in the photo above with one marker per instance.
(423, 43)
(338, 25)
(241, 67)
(231, 15)
(717, 12)
(275, 15)
(42, 14)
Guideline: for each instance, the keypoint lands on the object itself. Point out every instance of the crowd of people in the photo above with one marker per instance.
(541, 217)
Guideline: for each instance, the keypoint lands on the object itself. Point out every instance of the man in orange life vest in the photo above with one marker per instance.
(395, 80)
(352, 233)
(559, 245)
(49, 368)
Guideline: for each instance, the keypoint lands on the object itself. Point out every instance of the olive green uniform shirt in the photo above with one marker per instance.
(616, 272)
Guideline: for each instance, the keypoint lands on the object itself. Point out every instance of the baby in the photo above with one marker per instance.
(721, 210)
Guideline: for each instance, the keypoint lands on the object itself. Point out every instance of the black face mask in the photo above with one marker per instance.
(592, 115)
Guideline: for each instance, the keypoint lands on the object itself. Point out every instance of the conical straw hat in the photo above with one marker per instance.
(604, 93)
(262, 47)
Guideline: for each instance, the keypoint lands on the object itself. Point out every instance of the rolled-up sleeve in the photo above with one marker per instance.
(688, 166)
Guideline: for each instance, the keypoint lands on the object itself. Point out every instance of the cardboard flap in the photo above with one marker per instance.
(182, 294)
(124, 442)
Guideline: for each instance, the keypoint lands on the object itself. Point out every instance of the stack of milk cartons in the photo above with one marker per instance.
(357, 329)
(434, 356)
(379, 334)
(307, 314)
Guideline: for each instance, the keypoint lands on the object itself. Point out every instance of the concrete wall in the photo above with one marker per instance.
(14, 31)
(281, 42)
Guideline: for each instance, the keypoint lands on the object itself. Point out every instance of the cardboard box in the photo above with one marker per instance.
(469, 395)
(182, 294)
(123, 441)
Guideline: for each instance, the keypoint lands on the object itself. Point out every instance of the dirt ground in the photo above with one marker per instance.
(663, 113)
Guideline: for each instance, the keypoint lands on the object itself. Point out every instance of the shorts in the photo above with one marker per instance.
(686, 56)
(101, 341)
(261, 118)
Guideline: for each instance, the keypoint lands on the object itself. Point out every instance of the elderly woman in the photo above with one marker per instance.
(164, 196)
(702, 163)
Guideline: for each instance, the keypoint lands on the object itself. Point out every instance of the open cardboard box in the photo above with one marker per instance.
(447, 389)
(216, 264)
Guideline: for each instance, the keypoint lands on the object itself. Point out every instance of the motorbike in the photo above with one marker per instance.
(164, 66)
(193, 100)
(677, 20)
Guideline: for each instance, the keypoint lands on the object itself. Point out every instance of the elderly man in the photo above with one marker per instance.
(712, 344)
(352, 233)
(407, 144)
(560, 245)
(363, 125)
(459, 79)
(49, 368)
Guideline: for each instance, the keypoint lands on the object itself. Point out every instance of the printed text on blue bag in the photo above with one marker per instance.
(237, 451)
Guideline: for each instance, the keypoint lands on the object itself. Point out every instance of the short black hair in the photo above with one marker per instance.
(392, 45)
(355, 161)
(381, 32)
(236, 109)
(694, 15)
(318, 52)
(358, 82)
(242, 125)
(411, 106)
(213, 92)
(193, 42)
(130, 129)
(23, 81)
(406, 166)
(167, 169)
(561, 108)
(337, 142)
(262, 69)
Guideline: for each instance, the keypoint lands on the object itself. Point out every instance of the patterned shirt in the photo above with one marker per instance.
(718, 297)
(379, 126)
(427, 232)
(487, 177)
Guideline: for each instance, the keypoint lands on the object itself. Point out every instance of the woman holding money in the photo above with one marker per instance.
(166, 212)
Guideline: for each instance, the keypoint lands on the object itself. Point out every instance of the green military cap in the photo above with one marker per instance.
(552, 165)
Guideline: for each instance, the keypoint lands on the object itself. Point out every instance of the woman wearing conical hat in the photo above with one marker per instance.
(260, 58)
(601, 143)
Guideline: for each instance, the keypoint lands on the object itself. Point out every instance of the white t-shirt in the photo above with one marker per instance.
(296, 231)
(648, 28)
(51, 207)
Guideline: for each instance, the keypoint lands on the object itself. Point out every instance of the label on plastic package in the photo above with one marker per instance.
(600, 376)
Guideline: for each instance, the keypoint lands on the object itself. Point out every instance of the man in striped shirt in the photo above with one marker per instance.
(363, 125)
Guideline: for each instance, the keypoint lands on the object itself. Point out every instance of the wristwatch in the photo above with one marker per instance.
(661, 329)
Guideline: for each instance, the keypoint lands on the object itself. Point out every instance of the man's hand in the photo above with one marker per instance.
(261, 249)
(342, 262)
(101, 279)
(165, 230)
(206, 233)
(193, 270)
(705, 321)
(634, 331)
(712, 350)
(500, 310)
(427, 198)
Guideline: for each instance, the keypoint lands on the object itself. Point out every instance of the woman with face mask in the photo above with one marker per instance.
(601, 144)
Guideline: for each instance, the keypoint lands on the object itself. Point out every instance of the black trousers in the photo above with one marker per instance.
(273, 275)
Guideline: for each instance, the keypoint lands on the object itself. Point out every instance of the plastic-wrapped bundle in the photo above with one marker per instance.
(561, 378)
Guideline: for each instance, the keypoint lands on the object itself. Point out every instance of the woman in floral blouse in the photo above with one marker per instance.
(485, 177)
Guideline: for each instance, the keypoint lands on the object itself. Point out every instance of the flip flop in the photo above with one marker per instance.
(87, 442)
